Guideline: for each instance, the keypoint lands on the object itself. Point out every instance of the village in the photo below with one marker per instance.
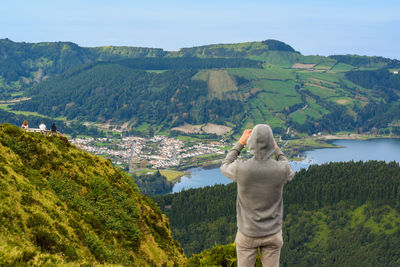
(158, 152)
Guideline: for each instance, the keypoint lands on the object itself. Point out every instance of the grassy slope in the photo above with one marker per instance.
(61, 205)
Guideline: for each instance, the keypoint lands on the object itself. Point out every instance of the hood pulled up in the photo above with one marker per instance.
(261, 142)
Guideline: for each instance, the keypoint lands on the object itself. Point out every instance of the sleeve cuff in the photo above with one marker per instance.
(278, 153)
(238, 146)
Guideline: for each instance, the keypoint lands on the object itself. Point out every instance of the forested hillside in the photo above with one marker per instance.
(336, 214)
(60, 205)
(238, 85)
(24, 64)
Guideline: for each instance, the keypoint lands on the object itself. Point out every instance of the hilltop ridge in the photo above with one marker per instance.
(235, 85)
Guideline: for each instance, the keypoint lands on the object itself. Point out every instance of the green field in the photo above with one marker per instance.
(321, 92)
(341, 67)
(298, 117)
(269, 72)
(172, 175)
(280, 87)
(219, 82)
(278, 102)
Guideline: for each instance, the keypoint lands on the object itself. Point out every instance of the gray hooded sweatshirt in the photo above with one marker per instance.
(260, 181)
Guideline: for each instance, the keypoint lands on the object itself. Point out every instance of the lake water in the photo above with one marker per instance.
(374, 149)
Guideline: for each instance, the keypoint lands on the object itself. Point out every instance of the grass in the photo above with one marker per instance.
(269, 72)
(298, 116)
(278, 102)
(329, 77)
(188, 138)
(156, 71)
(387, 222)
(273, 121)
(341, 67)
(142, 127)
(172, 175)
(201, 75)
(321, 92)
(342, 100)
(220, 82)
(25, 113)
(261, 114)
(281, 87)
(48, 207)
(310, 112)
(281, 58)
(313, 104)
(257, 116)
(320, 60)
(17, 94)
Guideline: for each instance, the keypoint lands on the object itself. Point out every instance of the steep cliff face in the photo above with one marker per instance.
(60, 205)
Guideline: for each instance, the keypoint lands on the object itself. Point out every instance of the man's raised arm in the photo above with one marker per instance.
(279, 156)
(229, 164)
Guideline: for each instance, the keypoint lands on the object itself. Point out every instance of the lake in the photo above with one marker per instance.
(374, 149)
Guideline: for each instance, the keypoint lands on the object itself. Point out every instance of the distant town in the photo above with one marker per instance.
(159, 152)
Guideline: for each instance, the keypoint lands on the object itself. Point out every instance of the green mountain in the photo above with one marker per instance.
(24, 64)
(238, 85)
(336, 214)
(62, 206)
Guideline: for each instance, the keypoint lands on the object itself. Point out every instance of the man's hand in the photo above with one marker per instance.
(276, 145)
(246, 134)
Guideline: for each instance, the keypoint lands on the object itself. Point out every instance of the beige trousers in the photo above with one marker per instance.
(247, 248)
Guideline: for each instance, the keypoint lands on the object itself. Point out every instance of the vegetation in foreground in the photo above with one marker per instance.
(60, 205)
(336, 214)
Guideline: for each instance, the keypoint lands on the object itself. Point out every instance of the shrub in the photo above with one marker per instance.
(45, 240)
(36, 220)
(69, 252)
(61, 229)
(95, 245)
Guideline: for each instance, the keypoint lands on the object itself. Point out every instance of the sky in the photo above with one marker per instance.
(313, 27)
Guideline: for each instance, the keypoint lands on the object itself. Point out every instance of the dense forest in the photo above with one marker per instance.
(112, 91)
(345, 214)
(153, 184)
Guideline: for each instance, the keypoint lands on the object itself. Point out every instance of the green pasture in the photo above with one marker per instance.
(341, 67)
(220, 82)
(257, 116)
(321, 92)
(298, 116)
(310, 112)
(201, 75)
(325, 76)
(172, 175)
(313, 104)
(261, 114)
(280, 58)
(342, 100)
(273, 121)
(143, 127)
(280, 87)
(25, 113)
(278, 102)
(156, 71)
(319, 60)
(269, 72)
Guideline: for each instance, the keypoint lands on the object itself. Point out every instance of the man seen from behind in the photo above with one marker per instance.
(259, 204)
